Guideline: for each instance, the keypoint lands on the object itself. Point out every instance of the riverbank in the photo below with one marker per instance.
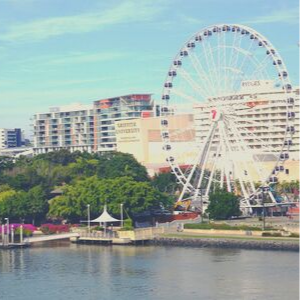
(226, 242)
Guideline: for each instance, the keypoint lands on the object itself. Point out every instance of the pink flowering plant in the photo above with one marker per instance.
(51, 228)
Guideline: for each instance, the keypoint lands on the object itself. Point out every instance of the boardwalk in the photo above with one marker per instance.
(52, 237)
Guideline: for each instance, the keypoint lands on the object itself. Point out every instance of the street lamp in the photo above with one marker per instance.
(89, 218)
(201, 204)
(264, 189)
(121, 214)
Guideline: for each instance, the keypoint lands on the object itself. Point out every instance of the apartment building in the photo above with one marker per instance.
(11, 138)
(87, 127)
(70, 127)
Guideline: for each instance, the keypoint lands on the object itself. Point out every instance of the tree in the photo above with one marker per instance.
(117, 164)
(16, 205)
(135, 196)
(165, 182)
(63, 156)
(37, 206)
(6, 162)
(223, 205)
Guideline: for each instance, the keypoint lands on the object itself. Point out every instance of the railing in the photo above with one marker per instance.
(97, 234)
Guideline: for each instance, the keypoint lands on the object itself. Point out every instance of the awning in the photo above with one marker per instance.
(105, 217)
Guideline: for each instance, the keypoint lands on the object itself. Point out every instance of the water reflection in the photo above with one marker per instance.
(69, 271)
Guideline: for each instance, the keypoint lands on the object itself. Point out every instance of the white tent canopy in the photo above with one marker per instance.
(105, 217)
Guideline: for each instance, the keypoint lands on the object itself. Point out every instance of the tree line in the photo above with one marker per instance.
(27, 186)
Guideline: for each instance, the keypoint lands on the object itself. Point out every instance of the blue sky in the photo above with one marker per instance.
(55, 52)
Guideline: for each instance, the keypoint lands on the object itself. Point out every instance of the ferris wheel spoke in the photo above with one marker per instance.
(243, 149)
(240, 65)
(220, 46)
(213, 63)
(225, 72)
(182, 95)
(213, 171)
(226, 153)
(260, 67)
(197, 162)
(235, 53)
(208, 62)
(192, 83)
(201, 73)
(235, 164)
(205, 156)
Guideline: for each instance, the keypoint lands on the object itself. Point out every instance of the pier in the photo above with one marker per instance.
(119, 237)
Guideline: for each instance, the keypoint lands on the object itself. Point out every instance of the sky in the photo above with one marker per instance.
(55, 52)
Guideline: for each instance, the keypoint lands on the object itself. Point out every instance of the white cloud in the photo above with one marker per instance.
(289, 16)
(86, 58)
(30, 64)
(128, 11)
(190, 20)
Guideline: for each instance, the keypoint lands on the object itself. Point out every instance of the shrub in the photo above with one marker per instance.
(222, 226)
(51, 228)
(127, 228)
(266, 234)
(26, 232)
(273, 234)
(128, 223)
(98, 228)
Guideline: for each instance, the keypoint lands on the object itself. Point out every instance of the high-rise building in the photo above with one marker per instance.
(107, 111)
(87, 127)
(11, 138)
(262, 119)
(70, 127)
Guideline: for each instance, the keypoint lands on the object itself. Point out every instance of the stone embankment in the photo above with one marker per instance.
(227, 243)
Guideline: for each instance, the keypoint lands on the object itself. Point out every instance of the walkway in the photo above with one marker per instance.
(52, 237)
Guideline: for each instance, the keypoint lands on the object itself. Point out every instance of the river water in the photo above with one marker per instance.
(68, 271)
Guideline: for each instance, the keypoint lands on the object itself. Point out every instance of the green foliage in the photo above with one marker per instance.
(117, 164)
(135, 196)
(85, 178)
(98, 228)
(223, 205)
(6, 162)
(165, 182)
(128, 225)
(4, 188)
(20, 204)
(26, 232)
(273, 234)
(62, 157)
(222, 226)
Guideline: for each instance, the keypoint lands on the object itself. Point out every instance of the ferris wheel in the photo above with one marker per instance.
(227, 114)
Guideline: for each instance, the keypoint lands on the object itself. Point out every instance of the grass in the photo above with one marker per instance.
(222, 226)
